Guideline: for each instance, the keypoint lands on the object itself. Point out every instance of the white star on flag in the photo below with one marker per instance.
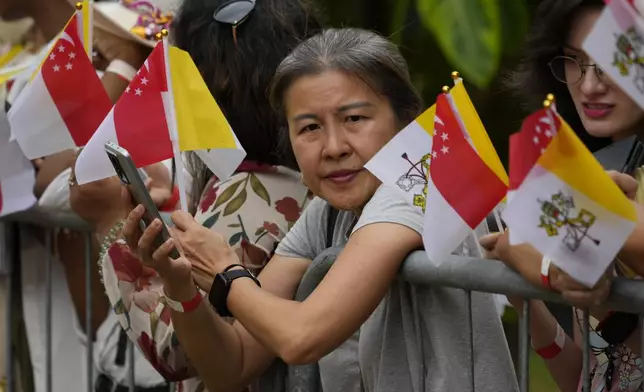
(138, 91)
(144, 81)
(65, 43)
(442, 137)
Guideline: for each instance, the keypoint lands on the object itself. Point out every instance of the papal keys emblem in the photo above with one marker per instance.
(628, 57)
(414, 176)
(558, 216)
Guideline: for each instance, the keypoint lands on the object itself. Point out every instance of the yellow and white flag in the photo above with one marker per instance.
(444, 163)
(566, 206)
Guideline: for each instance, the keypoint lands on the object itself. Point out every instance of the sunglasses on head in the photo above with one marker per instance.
(234, 13)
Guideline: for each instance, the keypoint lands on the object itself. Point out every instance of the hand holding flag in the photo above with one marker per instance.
(565, 206)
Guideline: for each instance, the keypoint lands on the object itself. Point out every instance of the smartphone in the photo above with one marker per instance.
(131, 177)
(623, 156)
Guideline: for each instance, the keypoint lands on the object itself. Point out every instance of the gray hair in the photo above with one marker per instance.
(364, 54)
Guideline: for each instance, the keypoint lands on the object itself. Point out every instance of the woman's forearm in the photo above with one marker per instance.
(565, 368)
(273, 321)
(213, 346)
(114, 85)
(632, 253)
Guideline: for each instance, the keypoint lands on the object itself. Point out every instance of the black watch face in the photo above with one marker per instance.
(218, 292)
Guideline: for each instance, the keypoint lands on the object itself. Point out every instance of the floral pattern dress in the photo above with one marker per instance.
(254, 209)
(624, 365)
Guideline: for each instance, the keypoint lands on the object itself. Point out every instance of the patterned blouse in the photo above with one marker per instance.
(614, 368)
(254, 209)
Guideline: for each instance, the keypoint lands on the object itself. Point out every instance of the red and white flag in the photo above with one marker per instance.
(65, 101)
(461, 189)
(527, 145)
(137, 123)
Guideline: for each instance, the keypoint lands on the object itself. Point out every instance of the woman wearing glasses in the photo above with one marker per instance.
(601, 113)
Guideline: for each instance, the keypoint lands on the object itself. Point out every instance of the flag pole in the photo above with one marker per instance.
(90, 29)
(172, 124)
(84, 11)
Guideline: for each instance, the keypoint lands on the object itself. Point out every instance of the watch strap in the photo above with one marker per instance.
(186, 306)
(218, 296)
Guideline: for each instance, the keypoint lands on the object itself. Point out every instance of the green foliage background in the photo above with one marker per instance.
(482, 39)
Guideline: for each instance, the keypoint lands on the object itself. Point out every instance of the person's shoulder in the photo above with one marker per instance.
(387, 205)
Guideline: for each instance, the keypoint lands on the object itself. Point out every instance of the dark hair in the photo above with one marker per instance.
(533, 78)
(238, 75)
(365, 54)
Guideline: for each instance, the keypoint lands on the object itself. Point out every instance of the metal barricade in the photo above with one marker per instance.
(464, 273)
(50, 221)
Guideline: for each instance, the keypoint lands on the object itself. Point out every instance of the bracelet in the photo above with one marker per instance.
(553, 349)
(122, 69)
(545, 272)
(186, 306)
(109, 239)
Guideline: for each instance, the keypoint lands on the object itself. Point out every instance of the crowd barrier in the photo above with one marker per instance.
(469, 274)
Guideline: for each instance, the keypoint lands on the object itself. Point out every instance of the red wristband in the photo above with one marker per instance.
(553, 349)
(171, 204)
(184, 307)
(545, 274)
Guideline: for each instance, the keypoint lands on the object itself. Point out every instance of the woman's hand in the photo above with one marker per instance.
(577, 294)
(179, 275)
(626, 183)
(208, 251)
(175, 273)
(101, 203)
(527, 261)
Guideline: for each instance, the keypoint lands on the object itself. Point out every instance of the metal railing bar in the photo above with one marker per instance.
(11, 238)
(48, 310)
(492, 276)
(131, 371)
(45, 218)
(89, 334)
(524, 347)
(585, 332)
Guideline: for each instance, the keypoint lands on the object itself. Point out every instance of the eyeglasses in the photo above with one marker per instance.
(570, 71)
(234, 13)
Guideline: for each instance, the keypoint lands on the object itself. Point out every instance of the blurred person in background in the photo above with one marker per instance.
(68, 263)
(17, 41)
(253, 209)
(601, 113)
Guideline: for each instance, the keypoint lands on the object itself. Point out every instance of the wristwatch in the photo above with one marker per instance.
(218, 295)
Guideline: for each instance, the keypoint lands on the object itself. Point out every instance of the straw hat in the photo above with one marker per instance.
(136, 20)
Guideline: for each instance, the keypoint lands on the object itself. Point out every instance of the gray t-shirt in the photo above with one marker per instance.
(418, 337)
